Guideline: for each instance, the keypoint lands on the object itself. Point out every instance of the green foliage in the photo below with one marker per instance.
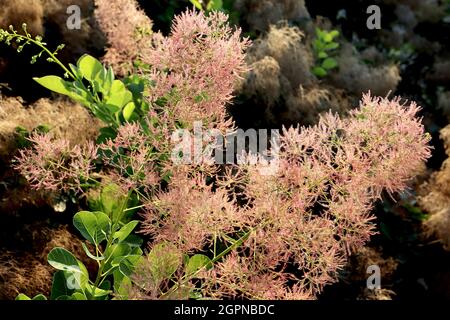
(196, 263)
(324, 47)
(25, 297)
(208, 5)
(95, 87)
(115, 249)
(226, 6)
(404, 54)
(446, 18)
(90, 83)
(13, 38)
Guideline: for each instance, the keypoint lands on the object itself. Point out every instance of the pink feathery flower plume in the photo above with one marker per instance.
(56, 166)
(317, 209)
(197, 67)
(128, 31)
(129, 159)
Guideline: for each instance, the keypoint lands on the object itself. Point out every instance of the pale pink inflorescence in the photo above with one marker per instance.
(195, 68)
(128, 31)
(54, 165)
(199, 64)
(303, 222)
(191, 213)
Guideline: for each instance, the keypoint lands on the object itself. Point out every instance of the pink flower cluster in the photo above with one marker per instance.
(129, 159)
(56, 166)
(197, 66)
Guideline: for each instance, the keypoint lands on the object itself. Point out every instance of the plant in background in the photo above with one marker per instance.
(405, 55)
(129, 38)
(324, 47)
(207, 5)
(446, 18)
(226, 6)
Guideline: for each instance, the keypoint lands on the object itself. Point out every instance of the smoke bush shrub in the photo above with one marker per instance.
(300, 225)
(230, 231)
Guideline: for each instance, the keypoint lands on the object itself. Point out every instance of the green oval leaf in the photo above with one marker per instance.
(319, 71)
(329, 63)
(334, 33)
(331, 46)
(115, 253)
(89, 67)
(78, 296)
(55, 83)
(119, 95)
(125, 231)
(61, 259)
(128, 111)
(327, 37)
(323, 55)
(94, 226)
(22, 296)
(86, 223)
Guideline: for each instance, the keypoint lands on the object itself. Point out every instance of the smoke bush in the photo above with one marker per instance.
(280, 236)
(301, 224)
(197, 66)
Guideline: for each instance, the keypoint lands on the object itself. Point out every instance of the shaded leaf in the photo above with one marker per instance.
(125, 231)
(198, 262)
(319, 71)
(329, 63)
(59, 286)
(61, 259)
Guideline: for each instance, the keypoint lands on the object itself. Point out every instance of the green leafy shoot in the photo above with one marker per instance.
(88, 82)
(324, 47)
(112, 246)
